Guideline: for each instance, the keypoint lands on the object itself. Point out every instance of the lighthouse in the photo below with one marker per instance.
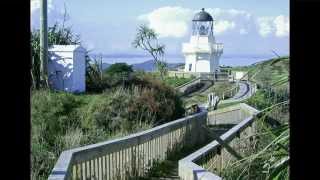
(202, 53)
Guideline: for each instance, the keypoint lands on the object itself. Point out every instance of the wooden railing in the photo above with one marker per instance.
(130, 156)
(209, 161)
(215, 156)
(230, 93)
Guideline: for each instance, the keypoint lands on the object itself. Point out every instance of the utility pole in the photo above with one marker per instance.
(43, 42)
(101, 67)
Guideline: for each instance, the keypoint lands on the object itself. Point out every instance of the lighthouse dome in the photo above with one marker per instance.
(202, 16)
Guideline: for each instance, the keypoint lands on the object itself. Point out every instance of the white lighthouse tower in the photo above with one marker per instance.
(202, 53)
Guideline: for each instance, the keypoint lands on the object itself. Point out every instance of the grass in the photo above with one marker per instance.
(62, 120)
(177, 81)
(220, 106)
(169, 167)
(269, 160)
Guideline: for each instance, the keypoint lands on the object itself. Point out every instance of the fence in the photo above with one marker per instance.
(230, 93)
(130, 156)
(213, 157)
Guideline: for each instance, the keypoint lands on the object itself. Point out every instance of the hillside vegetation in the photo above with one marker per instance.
(269, 159)
(267, 72)
(270, 72)
(61, 121)
(272, 78)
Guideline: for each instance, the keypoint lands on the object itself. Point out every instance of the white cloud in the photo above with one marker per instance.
(169, 21)
(282, 25)
(222, 26)
(265, 26)
(278, 26)
(176, 22)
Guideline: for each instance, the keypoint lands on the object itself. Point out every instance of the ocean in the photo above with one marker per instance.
(234, 60)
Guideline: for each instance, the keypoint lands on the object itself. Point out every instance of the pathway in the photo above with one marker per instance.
(245, 91)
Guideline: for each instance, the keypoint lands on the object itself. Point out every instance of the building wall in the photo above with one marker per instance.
(66, 71)
(203, 62)
(190, 59)
(203, 53)
(203, 66)
(79, 72)
(60, 70)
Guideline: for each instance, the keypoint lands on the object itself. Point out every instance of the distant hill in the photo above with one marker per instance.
(150, 66)
(146, 66)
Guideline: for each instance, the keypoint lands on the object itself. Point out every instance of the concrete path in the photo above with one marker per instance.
(245, 92)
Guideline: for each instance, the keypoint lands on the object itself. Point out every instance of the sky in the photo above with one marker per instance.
(108, 27)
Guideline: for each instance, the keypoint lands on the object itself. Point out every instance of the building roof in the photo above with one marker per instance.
(202, 16)
(66, 48)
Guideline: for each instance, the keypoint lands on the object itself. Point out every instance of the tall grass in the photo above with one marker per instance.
(62, 121)
(269, 160)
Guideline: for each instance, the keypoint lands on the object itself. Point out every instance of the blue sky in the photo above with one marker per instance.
(108, 27)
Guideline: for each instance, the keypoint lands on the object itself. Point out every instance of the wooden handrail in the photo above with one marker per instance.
(134, 154)
(189, 163)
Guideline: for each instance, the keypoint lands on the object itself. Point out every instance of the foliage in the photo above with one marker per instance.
(52, 115)
(95, 80)
(147, 40)
(62, 121)
(268, 72)
(264, 98)
(118, 69)
(269, 159)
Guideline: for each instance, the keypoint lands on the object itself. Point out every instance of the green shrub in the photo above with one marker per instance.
(118, 69)
(95, 81)
(147, 101)
(62, 121)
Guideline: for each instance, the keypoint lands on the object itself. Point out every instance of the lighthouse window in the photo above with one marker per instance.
(203, 30)
(190, 66)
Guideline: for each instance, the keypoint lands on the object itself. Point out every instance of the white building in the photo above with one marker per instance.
(202, 53)
(67, 68)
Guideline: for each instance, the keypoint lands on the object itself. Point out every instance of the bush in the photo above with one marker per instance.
(95, 81)
(144, 102)
(118, 69)
(62, 121)
(52, 115)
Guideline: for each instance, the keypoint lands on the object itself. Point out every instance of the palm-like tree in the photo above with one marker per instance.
(147, 40)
